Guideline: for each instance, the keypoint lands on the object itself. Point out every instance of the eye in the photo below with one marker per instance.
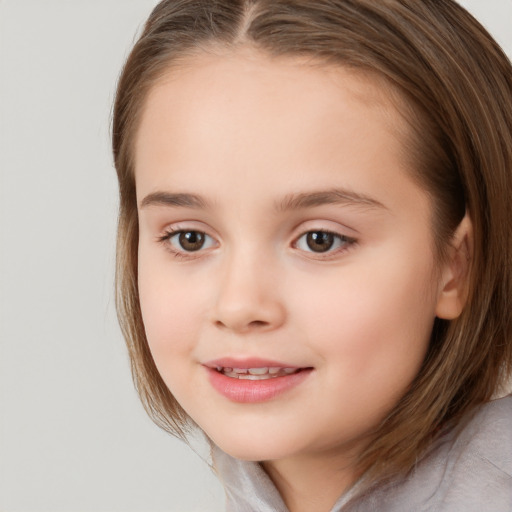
(322, 241)
(188, 240)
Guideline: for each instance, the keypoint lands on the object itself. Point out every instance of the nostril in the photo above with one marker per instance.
(257, 323)
(235, 314)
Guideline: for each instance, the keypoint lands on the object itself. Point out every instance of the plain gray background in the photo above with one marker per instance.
(73, 437)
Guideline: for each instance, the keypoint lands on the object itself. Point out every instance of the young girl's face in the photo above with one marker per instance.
(286, 271)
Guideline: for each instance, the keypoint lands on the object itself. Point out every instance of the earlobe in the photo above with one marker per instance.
(454, 282)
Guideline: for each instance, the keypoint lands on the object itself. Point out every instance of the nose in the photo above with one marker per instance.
(248, 297)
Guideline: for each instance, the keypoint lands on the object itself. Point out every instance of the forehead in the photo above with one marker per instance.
(242, 116)
(244, 82)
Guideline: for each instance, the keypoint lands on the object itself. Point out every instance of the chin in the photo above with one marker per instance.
(253, 447)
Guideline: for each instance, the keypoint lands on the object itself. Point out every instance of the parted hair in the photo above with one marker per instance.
(457, 85)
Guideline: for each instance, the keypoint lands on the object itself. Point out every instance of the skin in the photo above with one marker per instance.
(245, 133)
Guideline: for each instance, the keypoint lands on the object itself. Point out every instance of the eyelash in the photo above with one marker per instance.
(166, 237)
(346, 243)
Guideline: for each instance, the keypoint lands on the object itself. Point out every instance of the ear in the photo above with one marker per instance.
(454, 282)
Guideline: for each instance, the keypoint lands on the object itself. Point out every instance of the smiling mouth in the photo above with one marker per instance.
(264, 373)
(252, 382)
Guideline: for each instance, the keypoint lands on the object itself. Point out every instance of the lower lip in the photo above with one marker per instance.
(253, 391)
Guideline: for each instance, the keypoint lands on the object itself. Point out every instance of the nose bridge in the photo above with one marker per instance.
(248, 296)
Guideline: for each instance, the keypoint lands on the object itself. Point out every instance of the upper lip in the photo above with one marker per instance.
(245, 363)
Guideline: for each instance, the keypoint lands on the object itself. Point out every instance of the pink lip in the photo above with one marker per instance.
(253, 391)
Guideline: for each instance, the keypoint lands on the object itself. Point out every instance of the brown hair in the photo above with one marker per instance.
(457, 84)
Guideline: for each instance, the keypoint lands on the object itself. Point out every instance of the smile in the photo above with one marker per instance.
(255, 380)
(256, 373)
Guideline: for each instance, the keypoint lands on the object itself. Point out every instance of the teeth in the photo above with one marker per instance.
(254, 377)
(256, 373)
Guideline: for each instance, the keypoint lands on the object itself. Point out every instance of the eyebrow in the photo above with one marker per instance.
(297, 201)
(182, 200)
(333, 196)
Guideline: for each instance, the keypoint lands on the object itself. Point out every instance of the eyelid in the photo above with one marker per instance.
(342, 238)
(335, 227)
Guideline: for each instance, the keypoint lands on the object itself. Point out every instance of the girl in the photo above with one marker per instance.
(314, 251)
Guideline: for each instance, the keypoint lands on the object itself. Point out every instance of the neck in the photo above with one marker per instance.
(311, 484)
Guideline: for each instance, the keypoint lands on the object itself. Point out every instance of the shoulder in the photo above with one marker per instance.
(479, 462)
(488, 437)
(469, 470)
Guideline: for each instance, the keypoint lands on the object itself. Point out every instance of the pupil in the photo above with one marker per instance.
(320, 241)
(191, 240)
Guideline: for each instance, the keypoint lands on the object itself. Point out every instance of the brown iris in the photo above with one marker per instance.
(191, 240)
(319, 241)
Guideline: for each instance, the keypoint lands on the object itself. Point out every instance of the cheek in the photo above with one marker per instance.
(170, 309)
(171, 314)
(374, 321)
